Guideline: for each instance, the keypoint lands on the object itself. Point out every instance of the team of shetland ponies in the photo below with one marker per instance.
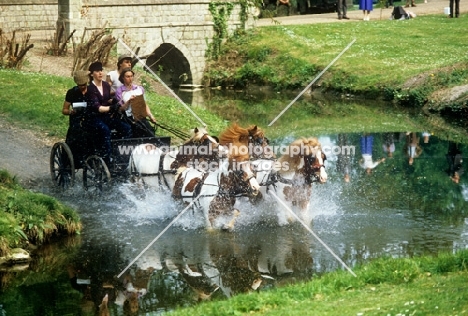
(214, 175)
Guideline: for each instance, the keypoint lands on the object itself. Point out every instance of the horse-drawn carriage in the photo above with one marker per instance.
(80, 152)
(208, 174)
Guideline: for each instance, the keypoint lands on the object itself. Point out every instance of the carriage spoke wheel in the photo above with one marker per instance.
(62, 166)
(96, 175)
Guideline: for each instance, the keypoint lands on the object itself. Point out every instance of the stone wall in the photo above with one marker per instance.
(28, 15)
(147, 24)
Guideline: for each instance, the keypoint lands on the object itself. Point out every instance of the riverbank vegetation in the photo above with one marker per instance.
(385, 286)
(401, 61)
(31, 218)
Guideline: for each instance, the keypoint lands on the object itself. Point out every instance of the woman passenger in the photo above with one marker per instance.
(126, 96)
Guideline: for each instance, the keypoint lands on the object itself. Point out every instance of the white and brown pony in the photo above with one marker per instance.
(214, 191)
(291, 176)
(156, 166)
(226, 179)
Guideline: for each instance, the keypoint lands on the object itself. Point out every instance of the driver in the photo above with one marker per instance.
(74, 106)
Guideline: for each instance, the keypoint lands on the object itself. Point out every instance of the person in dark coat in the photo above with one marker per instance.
(75, 107)
(105, 113)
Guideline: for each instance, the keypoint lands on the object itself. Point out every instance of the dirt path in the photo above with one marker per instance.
(25, 155)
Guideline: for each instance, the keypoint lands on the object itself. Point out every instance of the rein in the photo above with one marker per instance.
(180, 134)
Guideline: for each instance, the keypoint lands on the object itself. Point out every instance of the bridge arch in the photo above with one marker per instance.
(173, 63)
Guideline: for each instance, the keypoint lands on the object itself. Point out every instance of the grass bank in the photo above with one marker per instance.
(31, 218)
(405, 61)
(385, 286)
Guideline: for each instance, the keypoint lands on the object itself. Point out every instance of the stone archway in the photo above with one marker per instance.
(170, 64)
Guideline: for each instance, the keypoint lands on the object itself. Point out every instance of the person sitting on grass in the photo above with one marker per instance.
(284, 2)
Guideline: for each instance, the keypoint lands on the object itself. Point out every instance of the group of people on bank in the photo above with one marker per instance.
(367, 6)
(103, 108)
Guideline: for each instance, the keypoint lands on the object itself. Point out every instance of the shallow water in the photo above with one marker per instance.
(398, 210)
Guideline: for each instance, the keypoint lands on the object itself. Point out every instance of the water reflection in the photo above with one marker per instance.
(399, 209)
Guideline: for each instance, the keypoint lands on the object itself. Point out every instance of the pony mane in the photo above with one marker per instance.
(189, 151)
(298, 149)
(236, 134)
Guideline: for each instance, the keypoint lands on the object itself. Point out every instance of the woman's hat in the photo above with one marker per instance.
(81, 77)
(96, 66)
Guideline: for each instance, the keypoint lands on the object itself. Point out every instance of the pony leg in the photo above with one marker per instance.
(231, 223)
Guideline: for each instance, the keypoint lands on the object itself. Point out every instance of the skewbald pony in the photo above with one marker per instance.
(298, 149)
(237, 139)
(236, 134)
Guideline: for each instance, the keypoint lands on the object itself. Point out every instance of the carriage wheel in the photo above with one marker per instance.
(96, 175)
(62, 166)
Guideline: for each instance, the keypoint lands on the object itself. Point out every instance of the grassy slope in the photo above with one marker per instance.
(386, 286)
(31, 217)
(386, 53)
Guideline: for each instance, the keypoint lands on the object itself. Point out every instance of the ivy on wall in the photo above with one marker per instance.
(220, 11)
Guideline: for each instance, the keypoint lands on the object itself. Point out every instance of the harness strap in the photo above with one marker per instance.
(283, 180)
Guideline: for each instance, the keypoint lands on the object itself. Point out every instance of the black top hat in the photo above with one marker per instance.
(96, 66)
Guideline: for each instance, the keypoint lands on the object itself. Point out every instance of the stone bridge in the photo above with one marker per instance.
(173, 36)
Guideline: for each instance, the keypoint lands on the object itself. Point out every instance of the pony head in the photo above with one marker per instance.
(245, 180)
(253, 138)
(200, 147)
(305, 156)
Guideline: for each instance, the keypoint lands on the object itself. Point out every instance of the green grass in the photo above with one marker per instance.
(31, 217)
(386, 53)
(385, 286)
